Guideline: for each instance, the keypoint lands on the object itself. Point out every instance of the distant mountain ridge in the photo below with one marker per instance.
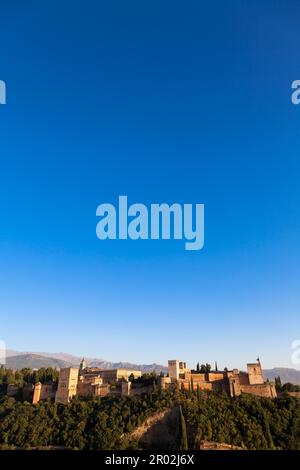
(17, 360)
(286, 374)
(34, 361)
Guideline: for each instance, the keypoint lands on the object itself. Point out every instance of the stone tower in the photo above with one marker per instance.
(173, 369)
(37, 393)
(67, 385)
(255, 373)
(83, 366)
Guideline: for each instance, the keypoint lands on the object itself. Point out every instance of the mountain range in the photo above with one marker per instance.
(286, 374)
(17, 360)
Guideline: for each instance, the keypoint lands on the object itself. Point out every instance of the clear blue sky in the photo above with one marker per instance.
(164, 102)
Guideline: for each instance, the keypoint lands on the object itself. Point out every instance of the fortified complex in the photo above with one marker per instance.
(96, 382)
(233, 382)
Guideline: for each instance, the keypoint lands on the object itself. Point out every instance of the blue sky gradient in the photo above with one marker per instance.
(163, 102)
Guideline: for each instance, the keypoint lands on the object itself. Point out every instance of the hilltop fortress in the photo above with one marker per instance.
(96, 382)
(100, 382)
(233, 382)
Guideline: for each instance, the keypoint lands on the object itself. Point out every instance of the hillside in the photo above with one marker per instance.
(152, 421)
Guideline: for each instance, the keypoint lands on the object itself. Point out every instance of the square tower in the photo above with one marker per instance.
(67, 385)
(255, 373)
(173, 369)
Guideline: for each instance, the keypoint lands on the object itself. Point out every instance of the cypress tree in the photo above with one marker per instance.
(268, 432)
(192, 385)
(198, 393)
(183, 434)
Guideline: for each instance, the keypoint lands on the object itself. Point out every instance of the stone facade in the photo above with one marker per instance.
(18, 392)
(43, 391)
(177, 369)
(111, 375)
(67, 385)
(255, 375)
(91, 386)
(232, 382)
(92, 381)
(164, 382)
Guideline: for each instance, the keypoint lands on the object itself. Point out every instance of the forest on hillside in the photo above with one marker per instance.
(107, 423)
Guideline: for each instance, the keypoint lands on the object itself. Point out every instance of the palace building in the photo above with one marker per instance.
(233, 382)
(92, 381)
(96, 382)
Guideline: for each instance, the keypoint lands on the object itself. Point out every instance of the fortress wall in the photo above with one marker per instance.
(266, 390)
(203, 385)
(197, 378)
(212, 376)
(243, 378)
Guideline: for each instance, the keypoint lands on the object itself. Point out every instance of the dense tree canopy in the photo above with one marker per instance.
(26, 375)
(83, 424)
(246, 421)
